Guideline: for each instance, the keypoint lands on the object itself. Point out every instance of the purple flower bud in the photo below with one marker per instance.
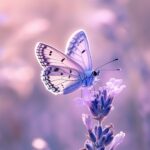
(107, 129)
(109, 140)
(106, 111)
(104, 93)
(101, 141)
(108, 101)
(92, 136)
(89, 146)
(99, 132)
(102, 100)
(93, 109)
(95, 130)
(101, 148)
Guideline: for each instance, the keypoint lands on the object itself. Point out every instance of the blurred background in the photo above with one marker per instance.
(33, 118)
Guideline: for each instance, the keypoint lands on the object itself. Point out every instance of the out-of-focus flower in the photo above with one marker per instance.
(87, 121)
(3, 18)
(114, 86)
(117, 140)
(17, 77)
(34, 28)
(103, 17)
(40, 144)
(88, 145)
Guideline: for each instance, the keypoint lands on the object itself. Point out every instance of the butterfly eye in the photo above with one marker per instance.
(94, 73)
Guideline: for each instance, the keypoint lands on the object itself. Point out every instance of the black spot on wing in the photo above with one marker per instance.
(50, 53)
(62, 59)
(83, 51)
(56, 69)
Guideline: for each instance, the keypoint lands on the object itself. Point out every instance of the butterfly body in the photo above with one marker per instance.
(64, 73)
(87, 78)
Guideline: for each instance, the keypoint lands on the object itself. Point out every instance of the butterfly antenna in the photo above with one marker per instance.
(117, 69)
(116, 59)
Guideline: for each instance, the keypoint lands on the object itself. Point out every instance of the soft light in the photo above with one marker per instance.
(39, 144)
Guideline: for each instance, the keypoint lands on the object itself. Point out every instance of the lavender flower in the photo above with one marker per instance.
(100, 104)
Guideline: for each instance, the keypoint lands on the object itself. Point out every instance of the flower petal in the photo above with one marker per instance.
(117, 140)
(87, 121)
(114, 86)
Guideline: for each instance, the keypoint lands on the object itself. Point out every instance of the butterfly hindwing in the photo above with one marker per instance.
(48, 55)
(78, 50)
(60, 80)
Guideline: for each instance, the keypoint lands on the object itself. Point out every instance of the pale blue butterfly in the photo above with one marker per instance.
(64, 73)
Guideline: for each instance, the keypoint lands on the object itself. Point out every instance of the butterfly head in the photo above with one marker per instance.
(95, 73)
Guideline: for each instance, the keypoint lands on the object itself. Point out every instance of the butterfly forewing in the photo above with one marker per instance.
(60, 80)
(48, 55)
(78, 50)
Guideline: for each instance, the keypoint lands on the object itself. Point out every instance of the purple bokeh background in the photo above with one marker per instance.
(115, 28)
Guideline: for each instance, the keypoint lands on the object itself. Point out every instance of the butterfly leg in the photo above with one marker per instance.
(93, 91)
(85, 93)
(81, 93)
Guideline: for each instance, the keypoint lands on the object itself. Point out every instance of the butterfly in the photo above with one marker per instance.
(65, 73)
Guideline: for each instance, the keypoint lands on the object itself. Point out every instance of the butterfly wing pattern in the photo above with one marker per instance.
(61, 73)
(78, 50)
(61, 80)
(47, 55)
